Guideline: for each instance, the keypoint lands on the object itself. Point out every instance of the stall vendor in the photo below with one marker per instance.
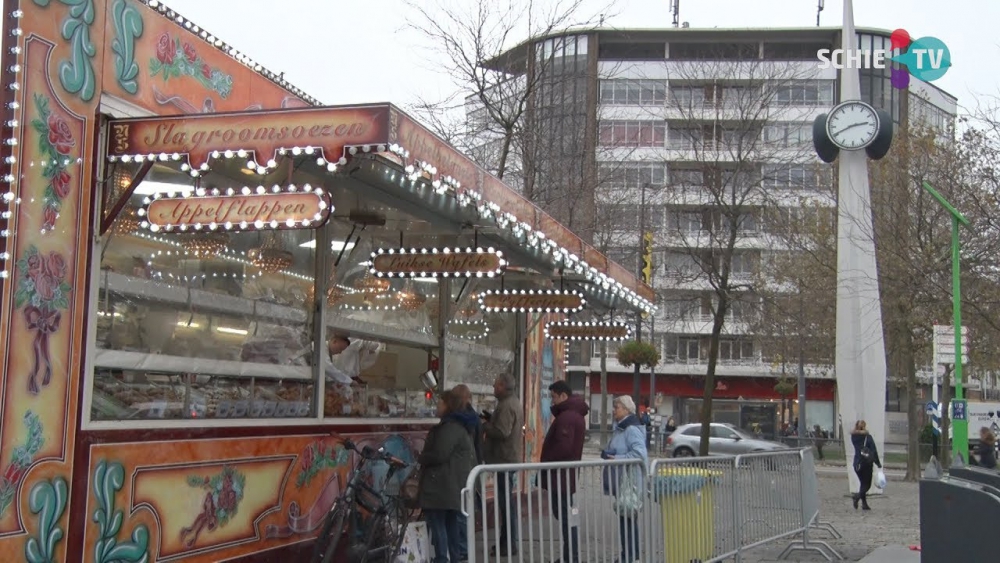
(348, 359)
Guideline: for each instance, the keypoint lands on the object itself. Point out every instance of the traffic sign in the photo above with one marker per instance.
(959, 410)
(944, 345)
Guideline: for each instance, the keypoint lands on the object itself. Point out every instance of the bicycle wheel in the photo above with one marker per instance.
(329, 537)
(385, 535)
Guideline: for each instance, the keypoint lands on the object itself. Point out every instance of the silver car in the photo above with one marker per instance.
(724, 440)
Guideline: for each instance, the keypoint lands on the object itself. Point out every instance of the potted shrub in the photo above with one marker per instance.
(638, 353)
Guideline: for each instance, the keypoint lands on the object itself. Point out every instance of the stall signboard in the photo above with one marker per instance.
(532, 301)
(260, 208)
(317, 132)
(575, 330)
(438, 262)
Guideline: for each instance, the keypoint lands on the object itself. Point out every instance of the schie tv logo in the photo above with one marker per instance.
(927, 58)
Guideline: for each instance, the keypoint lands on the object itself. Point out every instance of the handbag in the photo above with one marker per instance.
(628, 497)
(866, 454)
(409, 491)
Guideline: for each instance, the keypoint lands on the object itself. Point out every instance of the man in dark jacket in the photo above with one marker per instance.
(564, 442)
(503, 444)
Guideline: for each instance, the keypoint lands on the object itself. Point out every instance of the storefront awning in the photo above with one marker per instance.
(382, 147)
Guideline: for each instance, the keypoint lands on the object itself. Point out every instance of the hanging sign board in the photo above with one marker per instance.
(574, 330)
(532, 301)
(240, 210)
(435, 262)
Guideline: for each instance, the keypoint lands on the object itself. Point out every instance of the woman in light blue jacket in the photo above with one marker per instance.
(628, 441)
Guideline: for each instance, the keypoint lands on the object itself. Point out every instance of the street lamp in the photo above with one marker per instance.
(961, 425)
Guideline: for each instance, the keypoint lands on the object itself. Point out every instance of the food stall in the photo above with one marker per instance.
(200, 302)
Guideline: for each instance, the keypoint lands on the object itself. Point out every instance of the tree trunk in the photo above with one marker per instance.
(945, 419)
(508, 138)
(604, 392)
(713, 359)
(912, 413)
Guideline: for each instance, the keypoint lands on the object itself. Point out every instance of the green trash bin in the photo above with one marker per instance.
(685, 497)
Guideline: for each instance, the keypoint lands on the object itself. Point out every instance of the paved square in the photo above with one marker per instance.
(893, 521)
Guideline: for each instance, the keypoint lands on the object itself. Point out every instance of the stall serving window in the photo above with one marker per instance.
(276, 321)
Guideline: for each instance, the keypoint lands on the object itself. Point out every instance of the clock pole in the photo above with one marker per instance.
(860, 348)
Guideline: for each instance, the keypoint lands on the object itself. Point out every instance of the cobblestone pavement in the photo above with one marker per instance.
(893, 520)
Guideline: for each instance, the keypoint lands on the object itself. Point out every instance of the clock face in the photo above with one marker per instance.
(852, 125)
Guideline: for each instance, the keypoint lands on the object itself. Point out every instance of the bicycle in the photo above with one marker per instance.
(385, 525)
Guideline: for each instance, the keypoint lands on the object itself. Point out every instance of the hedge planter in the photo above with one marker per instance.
(638, 353)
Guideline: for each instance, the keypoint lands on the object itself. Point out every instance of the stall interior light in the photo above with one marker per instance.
(228, 330)
(335, 245)
(584, 326)
(186, 324)
(152, 188)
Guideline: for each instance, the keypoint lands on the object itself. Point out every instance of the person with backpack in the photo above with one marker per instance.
(865, 460)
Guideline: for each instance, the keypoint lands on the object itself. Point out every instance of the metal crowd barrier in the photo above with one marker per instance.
(682, 509)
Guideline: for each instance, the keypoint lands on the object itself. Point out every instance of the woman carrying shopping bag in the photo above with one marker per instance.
(865, 460)
(626, 483)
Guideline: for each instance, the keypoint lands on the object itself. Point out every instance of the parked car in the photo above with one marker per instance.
(724, 440)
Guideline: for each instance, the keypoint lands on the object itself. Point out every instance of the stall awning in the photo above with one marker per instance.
(337, 135)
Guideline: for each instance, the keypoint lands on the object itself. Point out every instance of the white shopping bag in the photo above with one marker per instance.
(880, 479)
(416, 546)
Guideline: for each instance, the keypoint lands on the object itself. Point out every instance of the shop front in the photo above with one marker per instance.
(211, 281)
(750, 403)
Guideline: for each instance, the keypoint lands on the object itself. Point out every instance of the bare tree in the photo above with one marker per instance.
(730, 152)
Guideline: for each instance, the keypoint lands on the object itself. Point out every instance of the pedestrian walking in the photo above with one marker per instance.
(628, 441)
(564, 442)
(502, 443)
(986, 450)
(865, 460)
(446, 461)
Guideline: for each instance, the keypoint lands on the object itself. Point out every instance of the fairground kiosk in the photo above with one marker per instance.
(175, 269)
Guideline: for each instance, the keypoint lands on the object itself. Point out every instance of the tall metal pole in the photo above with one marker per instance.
(961, 441)
(803, 424)
(637, 374)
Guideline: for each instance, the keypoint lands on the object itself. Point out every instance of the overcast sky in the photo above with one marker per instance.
(344, 51)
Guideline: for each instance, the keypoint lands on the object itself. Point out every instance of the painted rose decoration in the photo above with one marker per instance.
(223, 493)
(175, 58)
(43, 292)
(55, 145)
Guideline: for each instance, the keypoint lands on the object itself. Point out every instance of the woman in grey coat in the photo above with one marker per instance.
(446, 462)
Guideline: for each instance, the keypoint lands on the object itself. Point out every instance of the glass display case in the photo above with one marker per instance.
(222, 324)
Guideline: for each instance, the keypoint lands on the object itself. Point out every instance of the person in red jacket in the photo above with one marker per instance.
(564, 442)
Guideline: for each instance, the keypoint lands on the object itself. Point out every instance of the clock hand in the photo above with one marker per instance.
(853, 125)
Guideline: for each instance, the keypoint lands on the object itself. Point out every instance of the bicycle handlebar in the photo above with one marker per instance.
(371, 454)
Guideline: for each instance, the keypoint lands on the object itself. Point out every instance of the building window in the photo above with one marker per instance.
(743, 264)
(685, 221)
(814, 93)
(624, 256)
(797, 176)
(736, 350)
(680, 265)
(624, 92)
(633, 133)
(686, 138)
(788, 135)
(687, 177)
(621, 176)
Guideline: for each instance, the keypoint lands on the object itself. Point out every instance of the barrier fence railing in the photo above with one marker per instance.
(673, 511)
